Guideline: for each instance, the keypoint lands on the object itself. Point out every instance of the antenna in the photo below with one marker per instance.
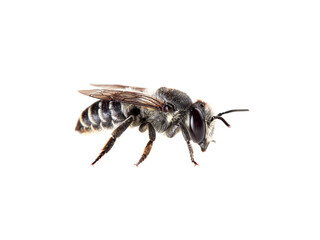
(230, 111)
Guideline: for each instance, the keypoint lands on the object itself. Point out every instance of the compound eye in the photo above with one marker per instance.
(197, 125)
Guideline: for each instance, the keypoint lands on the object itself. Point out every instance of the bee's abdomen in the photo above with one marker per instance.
(100, 115)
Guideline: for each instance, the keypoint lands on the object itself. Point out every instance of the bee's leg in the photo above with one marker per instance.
(114, 135)
(152, 137)
(172, 131)
(143, 127)
(186, 137)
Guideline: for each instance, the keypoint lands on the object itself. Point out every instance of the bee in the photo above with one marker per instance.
(166, 110)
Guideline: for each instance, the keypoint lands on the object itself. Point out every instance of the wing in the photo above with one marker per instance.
(136, 98)
(118, 86)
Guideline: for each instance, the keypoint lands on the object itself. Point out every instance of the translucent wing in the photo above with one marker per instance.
(131, 97)
(119, 87)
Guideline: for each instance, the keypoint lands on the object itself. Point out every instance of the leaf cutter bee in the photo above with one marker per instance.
(166, 110)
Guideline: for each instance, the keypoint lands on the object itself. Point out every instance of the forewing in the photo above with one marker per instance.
(119, 87)
(136, 98)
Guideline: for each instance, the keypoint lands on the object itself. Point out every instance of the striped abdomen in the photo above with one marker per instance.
(100, 115)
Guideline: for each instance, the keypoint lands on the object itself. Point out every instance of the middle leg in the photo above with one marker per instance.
(147, 149)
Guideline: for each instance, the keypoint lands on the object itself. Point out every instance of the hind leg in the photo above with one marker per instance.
(115, 134)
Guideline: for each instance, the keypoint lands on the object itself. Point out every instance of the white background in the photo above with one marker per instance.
(259, 181)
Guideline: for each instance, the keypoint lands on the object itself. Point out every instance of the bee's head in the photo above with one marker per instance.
(201, 123)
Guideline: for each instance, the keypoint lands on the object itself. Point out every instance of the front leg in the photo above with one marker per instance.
(176, 121)
(186, 137)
